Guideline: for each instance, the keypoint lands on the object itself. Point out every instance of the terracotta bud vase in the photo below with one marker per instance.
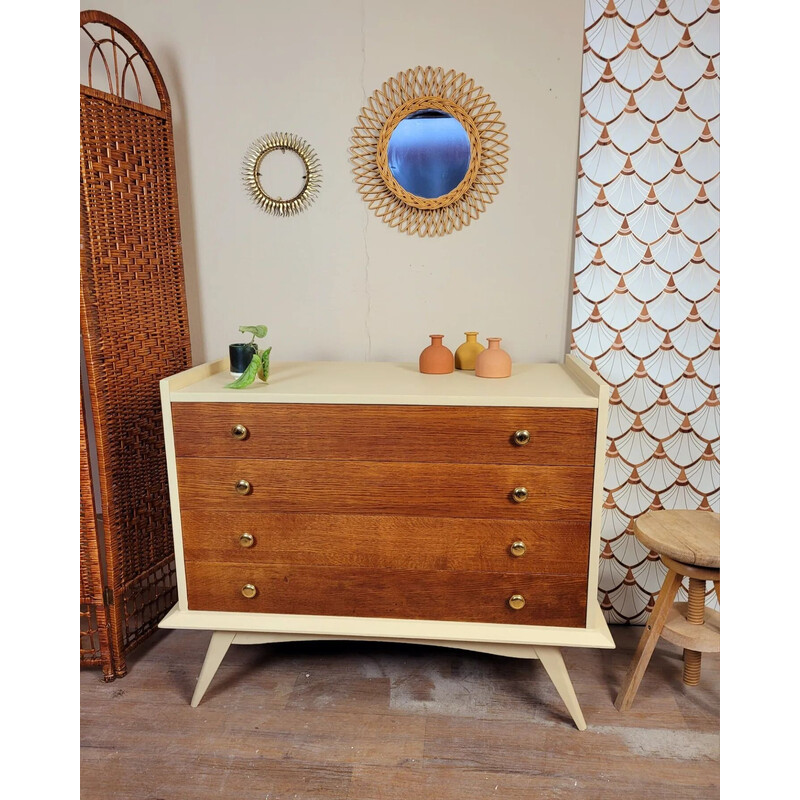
(493, 362)
(468, 351)
(436, 359)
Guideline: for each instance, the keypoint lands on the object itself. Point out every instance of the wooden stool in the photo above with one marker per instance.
(688, 544)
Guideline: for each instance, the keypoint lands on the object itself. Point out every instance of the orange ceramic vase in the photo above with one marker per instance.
(493, 362)
(468, 351)
(436, 359)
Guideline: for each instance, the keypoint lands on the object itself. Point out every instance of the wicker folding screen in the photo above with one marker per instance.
(135, 331)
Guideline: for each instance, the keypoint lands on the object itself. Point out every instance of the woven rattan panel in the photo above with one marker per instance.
(95, 650)
(135, 331)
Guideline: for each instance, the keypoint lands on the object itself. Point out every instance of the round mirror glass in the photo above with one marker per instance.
(428, 153)
(282, 174)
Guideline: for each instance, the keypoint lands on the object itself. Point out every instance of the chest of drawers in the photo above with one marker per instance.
(370, 501)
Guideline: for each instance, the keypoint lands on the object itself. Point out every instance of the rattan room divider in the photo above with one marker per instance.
(134, 331)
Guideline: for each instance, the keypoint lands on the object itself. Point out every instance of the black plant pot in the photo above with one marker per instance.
(241, 355)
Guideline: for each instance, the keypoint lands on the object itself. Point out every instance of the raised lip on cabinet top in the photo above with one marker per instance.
(570, 385)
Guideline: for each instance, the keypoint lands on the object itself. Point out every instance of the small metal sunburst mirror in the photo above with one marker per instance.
(252, 173)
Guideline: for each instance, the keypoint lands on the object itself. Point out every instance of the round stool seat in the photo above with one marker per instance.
(690, 537)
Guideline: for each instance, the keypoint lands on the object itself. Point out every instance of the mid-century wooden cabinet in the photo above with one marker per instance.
(370, 501)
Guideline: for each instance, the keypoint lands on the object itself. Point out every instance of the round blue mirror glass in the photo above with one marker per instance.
(428, 153)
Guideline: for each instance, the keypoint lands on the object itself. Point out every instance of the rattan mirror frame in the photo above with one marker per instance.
(312, 180)
(453, 93)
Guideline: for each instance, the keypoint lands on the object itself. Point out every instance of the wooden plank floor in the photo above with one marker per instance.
(374, 721)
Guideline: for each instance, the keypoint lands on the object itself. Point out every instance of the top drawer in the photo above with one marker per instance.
(470, 434)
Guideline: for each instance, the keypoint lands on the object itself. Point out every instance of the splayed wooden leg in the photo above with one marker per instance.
(556, 669)
(647, 643)
(217, 647)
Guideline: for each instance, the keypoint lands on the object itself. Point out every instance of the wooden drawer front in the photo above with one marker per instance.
(407, 594)
(385, 433)
(456, 490)
(385, 542)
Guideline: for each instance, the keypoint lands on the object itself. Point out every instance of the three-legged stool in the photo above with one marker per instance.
(688, 544)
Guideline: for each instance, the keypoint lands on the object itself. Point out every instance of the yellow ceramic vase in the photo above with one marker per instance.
(467, 353)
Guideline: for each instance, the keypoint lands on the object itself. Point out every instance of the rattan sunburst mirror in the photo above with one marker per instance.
(429, 151)
(309, 179)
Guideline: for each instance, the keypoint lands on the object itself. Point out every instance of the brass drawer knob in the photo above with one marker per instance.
(520, 494)
(516, 601)
(249, 591)
(239, 432)
(522, 438)
(243, 487)
(517, 549)
(247, 540)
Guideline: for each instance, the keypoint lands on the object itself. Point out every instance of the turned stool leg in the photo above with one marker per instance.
(655, 624)
(695, 614)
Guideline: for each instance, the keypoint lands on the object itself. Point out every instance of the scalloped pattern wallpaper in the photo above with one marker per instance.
(646, 289)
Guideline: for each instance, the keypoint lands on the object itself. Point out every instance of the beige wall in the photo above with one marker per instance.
(335, 283)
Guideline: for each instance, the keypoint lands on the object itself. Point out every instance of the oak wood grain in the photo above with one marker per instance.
(384, 541)
(385, 433)
(407, 594)
(455, 490)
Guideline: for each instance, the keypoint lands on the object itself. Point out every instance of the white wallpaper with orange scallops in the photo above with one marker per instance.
(646, 290)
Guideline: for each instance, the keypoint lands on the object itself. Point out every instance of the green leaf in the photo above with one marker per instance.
(258, 331)
(248, 376)
(263, 370)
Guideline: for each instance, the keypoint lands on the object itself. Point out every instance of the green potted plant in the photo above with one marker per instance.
(248, 361)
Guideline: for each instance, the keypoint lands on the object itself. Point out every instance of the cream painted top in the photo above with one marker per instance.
(355, 382)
